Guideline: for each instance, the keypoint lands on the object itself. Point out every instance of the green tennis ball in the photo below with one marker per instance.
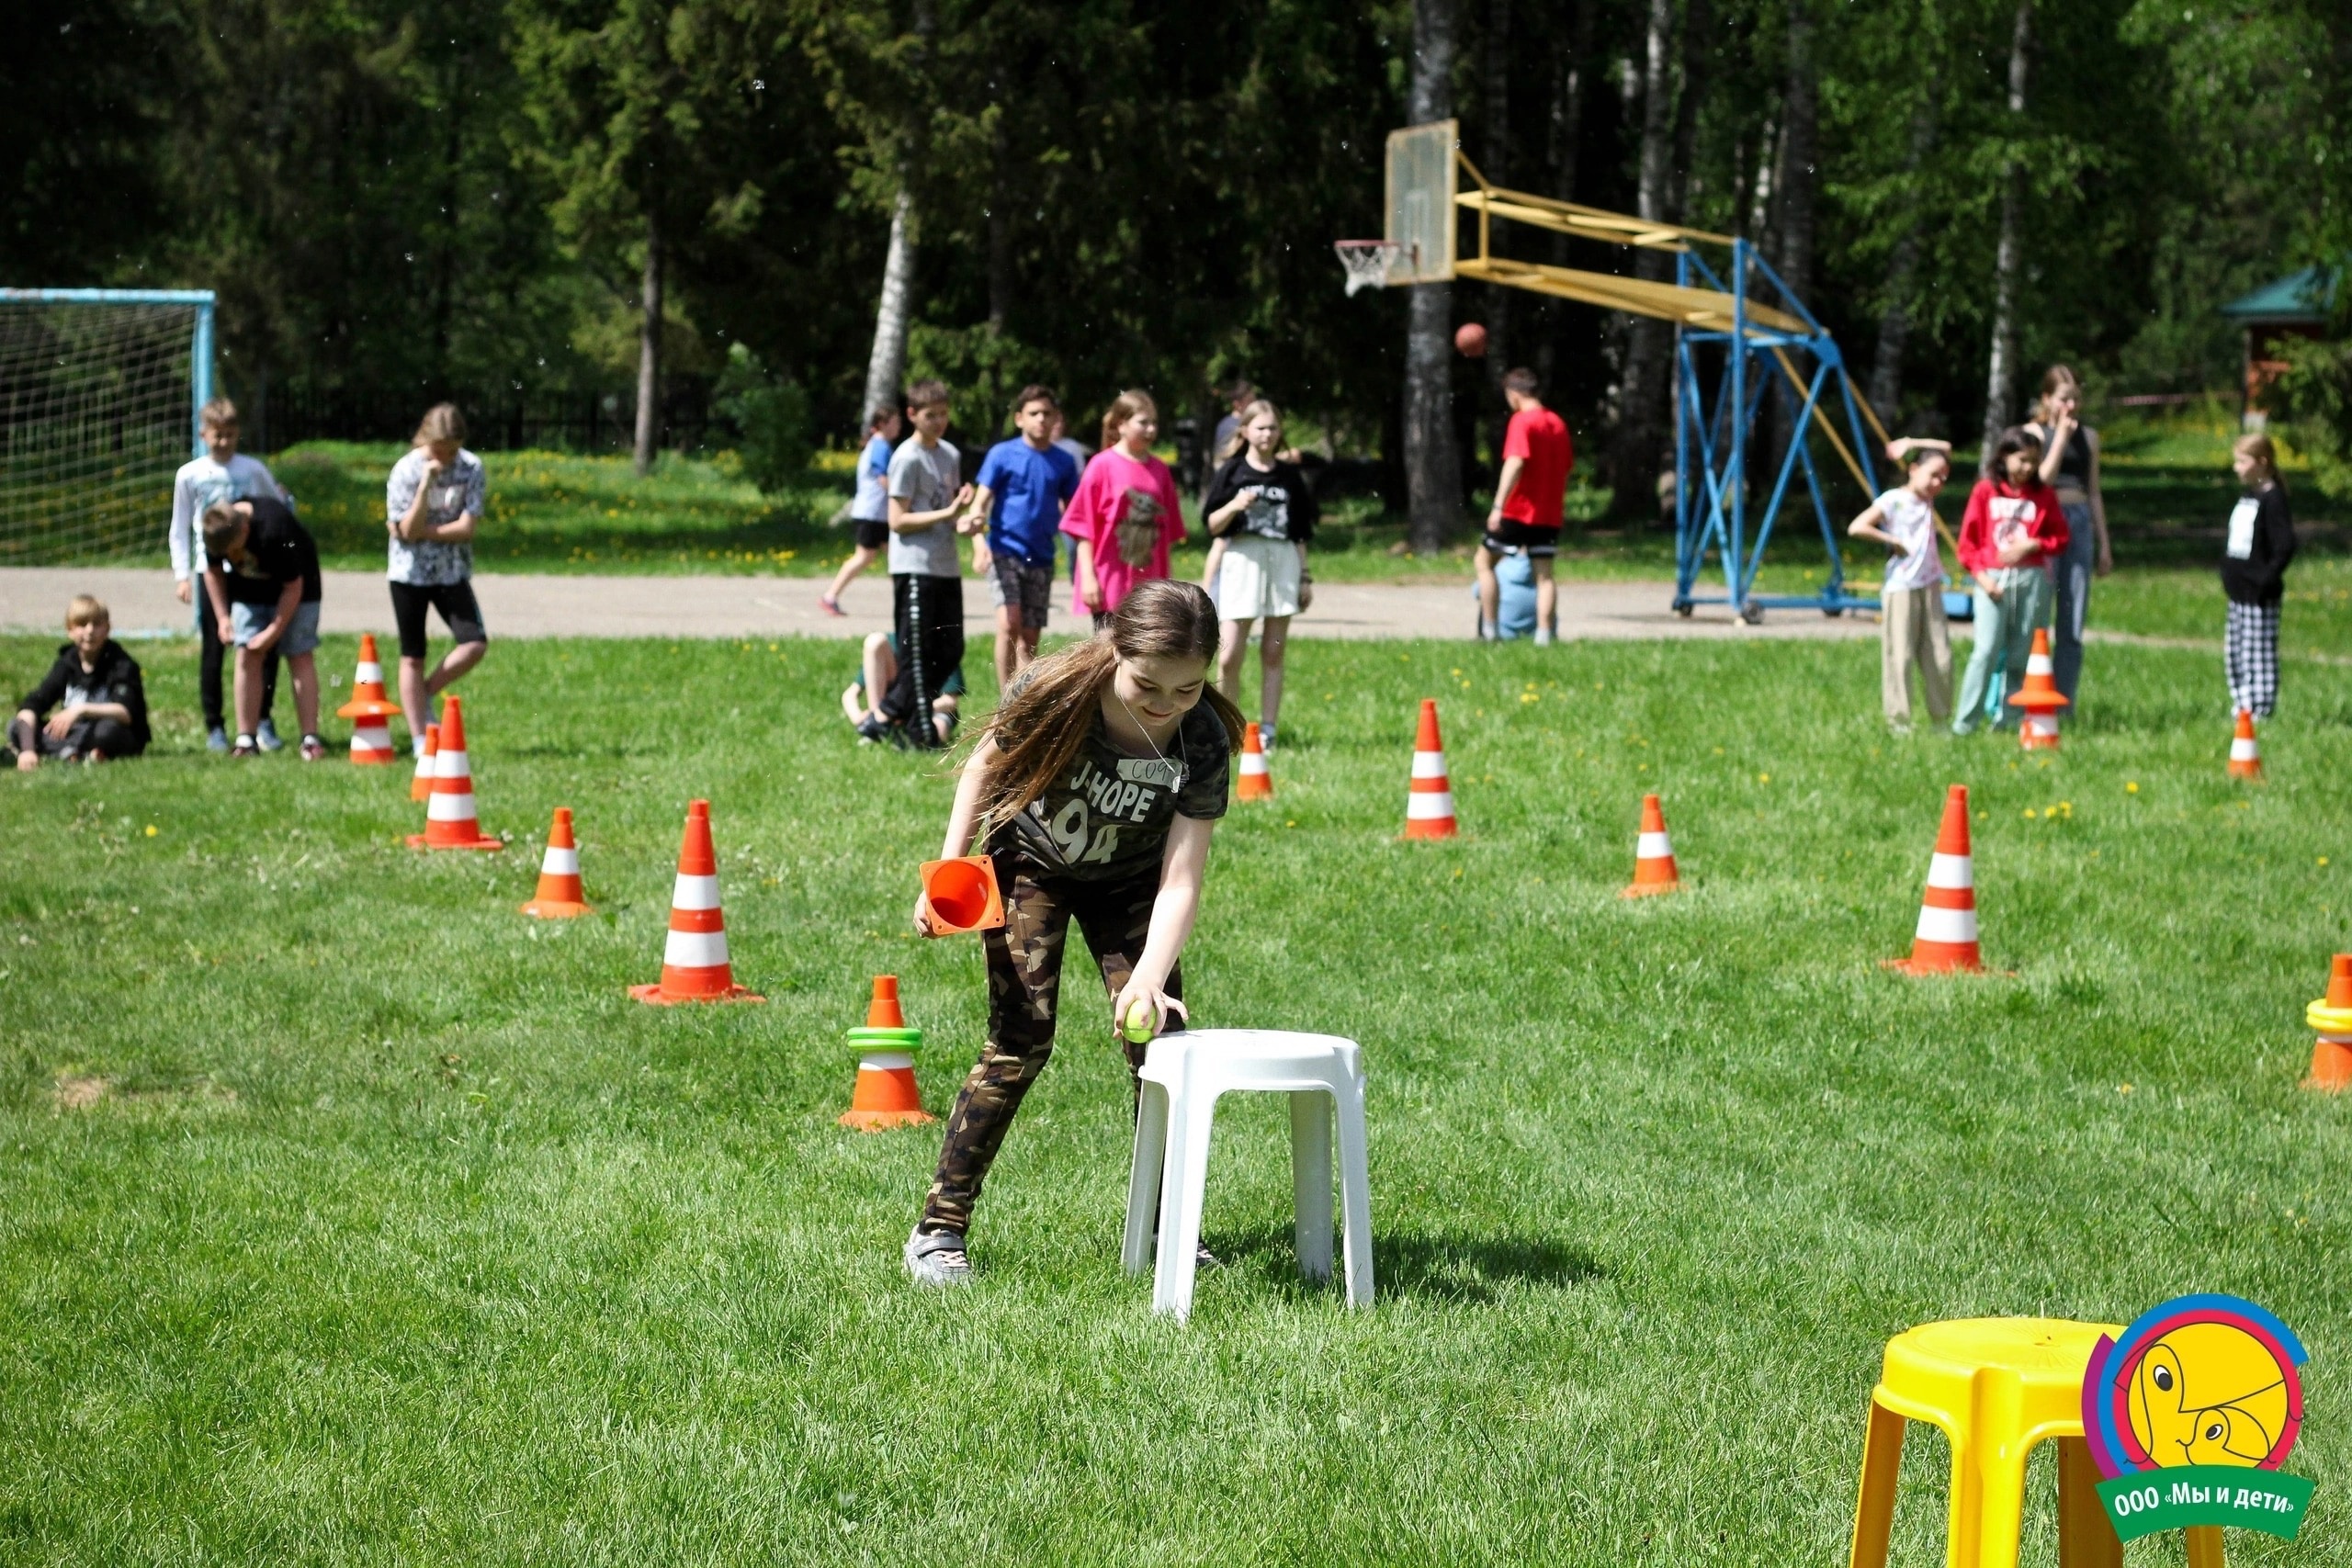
(1139, 1025)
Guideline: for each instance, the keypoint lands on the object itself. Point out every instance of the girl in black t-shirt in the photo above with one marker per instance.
(1093, 788)
(2261, 543)
(1261, 514)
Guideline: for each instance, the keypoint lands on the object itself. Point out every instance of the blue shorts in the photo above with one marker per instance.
(249, 621)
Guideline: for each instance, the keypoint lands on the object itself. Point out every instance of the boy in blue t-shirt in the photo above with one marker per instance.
(869, 508)
(1028, 481)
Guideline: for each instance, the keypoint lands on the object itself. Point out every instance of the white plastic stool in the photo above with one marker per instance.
(1182, 1074)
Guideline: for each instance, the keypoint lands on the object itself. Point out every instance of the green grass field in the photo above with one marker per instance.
(349, 1217)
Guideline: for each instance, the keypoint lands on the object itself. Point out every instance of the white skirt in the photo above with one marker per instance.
(1257, 578)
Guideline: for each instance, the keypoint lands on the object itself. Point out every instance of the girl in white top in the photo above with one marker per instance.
(1912, 630)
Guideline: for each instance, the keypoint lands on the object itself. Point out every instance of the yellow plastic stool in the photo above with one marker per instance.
(1995, 1386)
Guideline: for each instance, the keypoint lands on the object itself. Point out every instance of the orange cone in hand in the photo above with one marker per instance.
(2246, 754)
(371, 738)
(1253, 781)
(2041, 698)
(694, 961)
(559, 897)
(2332, 1016)
(421, 787)
(1946, 941)
(885, 1095)
(450, 822)
(1429, 809)
(1653, 854)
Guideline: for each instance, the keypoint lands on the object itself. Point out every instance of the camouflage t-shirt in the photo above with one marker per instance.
(1108, 819)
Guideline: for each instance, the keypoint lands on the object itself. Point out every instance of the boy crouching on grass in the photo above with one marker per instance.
(96, 687)
(263, 578)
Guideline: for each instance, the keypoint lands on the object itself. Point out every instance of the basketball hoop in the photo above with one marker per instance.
(1367, 262)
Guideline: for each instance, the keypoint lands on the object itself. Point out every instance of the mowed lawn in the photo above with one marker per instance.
(347, 1216)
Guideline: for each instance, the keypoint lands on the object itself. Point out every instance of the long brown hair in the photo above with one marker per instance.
(1040, 727)
(2054, 380)
(1124, 406)
(1240, 438)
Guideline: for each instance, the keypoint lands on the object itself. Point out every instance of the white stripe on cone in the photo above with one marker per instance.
(2244, 751)
(560, 862)
(369, 738)
(695, 950)
(441, 806)
(694, 892)
(369, 674)
(1652, 846)
(1423, 808)
(2037, 664)
(448, 765)
(1946, 925)
(1952, 870)
(886, 1062)
(1428, 764)
(1253, 764)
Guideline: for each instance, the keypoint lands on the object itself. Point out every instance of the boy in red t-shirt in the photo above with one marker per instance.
(1526, 518)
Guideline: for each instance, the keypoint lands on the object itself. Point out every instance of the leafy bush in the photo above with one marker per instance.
(2315, 396)
(770, 414)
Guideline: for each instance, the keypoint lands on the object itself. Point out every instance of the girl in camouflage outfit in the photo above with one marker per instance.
(1093, 789)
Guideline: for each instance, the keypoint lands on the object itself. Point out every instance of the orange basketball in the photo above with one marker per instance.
(1470, 341)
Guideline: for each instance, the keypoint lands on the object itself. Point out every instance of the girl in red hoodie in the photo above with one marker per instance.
(2011, 531)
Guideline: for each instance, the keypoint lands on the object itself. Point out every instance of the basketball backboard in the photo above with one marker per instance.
(1422, 182)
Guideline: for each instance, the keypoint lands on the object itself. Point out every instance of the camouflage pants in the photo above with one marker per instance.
(1024, 961)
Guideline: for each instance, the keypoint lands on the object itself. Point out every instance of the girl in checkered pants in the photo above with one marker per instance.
(2253, 569)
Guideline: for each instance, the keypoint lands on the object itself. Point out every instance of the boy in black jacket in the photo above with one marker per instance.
(96, 687)
(2254, 571)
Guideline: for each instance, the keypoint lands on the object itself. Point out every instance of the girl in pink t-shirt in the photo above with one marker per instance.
(1124, 514)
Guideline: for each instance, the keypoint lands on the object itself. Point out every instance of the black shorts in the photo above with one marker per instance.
(872, 534)
(454, 600)
(1510, 535)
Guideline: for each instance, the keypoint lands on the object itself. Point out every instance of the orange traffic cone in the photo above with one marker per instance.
(1946, 940)
(559, 897)
(2041, 698)
(421, 787)
(1253, 783)
(2246, 753)
(1429, 809)
(2332, 1016)
(1653, 854)
(371, 738)
(449, 822)
(962, 894)
(694, 961)
(885, 1095)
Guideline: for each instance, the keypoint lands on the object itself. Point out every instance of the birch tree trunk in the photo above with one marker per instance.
(1641, 393)
(2001, 367)
(887, 363)
(1432, 461)
(648, 354)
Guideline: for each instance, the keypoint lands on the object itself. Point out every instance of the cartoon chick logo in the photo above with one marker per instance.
(2196, 1394)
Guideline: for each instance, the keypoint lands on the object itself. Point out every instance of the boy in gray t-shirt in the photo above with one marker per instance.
(927, 498)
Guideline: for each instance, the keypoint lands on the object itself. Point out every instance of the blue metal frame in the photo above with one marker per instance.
(199, 346)
(1712, 435)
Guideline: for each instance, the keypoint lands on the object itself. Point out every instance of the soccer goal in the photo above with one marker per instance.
(100, 389)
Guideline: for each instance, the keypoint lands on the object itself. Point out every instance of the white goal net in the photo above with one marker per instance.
(95, 404)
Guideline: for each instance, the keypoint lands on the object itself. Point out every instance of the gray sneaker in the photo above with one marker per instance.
(215, 739)
(938, 1259)
(266, 737)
